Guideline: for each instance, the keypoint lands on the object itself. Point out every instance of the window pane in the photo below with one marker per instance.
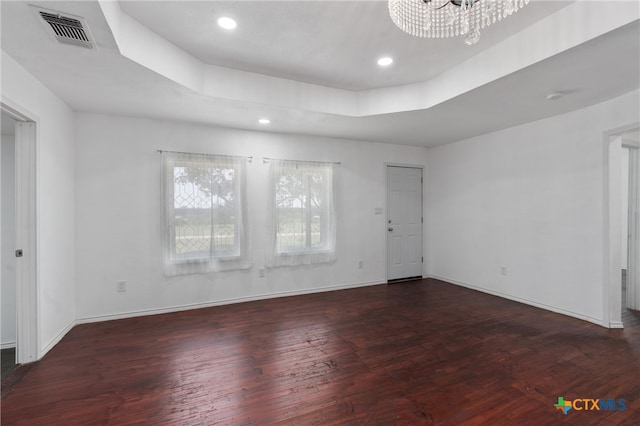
(300, 197)
(316, 230)
(302, 213)
(204, 212)
(318, 190)
(291, 232)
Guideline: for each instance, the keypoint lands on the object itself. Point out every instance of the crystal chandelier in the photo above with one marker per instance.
(450, 18)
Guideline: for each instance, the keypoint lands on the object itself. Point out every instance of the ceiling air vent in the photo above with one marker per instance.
(66, 29)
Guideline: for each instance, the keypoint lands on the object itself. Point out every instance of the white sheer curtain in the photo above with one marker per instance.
(302, 213)
(205, 213)
(633, 269)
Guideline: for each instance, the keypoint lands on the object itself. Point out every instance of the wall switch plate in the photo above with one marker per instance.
(361, 264)
(503, 271)
(261, 272)
(378, 210)
(121, 286)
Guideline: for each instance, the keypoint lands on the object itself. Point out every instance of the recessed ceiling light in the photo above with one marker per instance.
(227, 23)
(385, 62)
(264, 121)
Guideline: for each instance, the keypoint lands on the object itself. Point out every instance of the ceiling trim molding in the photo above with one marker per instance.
(568, 27)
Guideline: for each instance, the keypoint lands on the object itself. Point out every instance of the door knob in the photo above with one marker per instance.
(390, 229)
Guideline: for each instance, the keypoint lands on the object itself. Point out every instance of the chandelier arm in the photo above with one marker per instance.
(443, 6)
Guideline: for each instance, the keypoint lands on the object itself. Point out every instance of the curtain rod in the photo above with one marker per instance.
(266, 159)
(202, 153)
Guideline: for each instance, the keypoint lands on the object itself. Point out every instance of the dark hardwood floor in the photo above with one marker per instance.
(422, 352)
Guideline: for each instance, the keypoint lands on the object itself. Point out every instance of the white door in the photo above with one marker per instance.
(404, 222)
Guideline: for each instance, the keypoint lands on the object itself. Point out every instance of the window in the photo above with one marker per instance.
(302, 214)
(204, 224)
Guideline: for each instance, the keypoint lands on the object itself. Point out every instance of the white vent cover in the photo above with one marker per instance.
(66, 28)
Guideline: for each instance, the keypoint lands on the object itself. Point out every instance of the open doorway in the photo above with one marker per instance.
(20, 244)
(614, 246)
(8, 328)
(630, 301)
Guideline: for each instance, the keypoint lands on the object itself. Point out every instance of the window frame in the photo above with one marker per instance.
(238, 258)
(307, 254)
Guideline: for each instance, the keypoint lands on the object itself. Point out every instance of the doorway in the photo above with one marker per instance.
(23, 253)
(404, 223)
(8, 329)
(631, 229)
(614, 241)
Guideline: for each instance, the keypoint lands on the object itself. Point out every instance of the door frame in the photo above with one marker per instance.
(612, 206)
(26, 152)
(386, 216)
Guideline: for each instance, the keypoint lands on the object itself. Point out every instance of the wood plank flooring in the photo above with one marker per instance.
(414, 353)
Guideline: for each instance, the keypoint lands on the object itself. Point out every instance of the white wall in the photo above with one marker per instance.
(8, 279)
(55, 199)
(528, 198)
(625, 208)
(118, 213)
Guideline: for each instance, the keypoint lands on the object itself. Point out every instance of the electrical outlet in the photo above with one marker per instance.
(361, 264)
(121, 286)
(503, 271)
(261, 272)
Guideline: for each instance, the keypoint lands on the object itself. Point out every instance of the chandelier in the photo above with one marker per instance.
(450, 18)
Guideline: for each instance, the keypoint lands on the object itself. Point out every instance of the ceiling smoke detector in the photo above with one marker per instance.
(65, 28)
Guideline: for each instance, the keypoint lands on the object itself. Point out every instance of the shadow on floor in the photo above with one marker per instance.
(8, 360)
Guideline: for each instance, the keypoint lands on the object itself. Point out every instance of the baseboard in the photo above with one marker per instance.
(402, 280)
(8, 345)
(527, 302)
(616, 324)
(144, 312)
(56, 339)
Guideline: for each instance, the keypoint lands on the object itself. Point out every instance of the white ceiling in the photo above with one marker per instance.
(334, 44)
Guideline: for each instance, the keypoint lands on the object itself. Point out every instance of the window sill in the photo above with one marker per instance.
(302, 253)
(207, 260)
